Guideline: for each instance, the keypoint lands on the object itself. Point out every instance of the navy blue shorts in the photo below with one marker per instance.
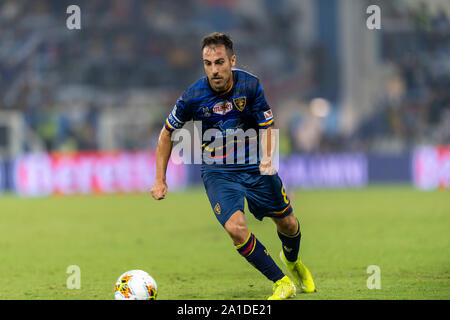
(265, 194)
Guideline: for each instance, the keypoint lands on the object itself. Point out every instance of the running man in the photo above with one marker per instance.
(227, 100)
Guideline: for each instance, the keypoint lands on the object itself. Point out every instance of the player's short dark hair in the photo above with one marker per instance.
(217, 38)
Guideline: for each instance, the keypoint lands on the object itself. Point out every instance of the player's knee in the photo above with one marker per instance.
(238, 233)
(237, 229)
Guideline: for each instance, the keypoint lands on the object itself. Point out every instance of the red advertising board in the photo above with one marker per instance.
(431, 167)
(91, 172)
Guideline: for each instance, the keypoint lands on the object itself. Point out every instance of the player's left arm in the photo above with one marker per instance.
(263, 114)
(268, 146)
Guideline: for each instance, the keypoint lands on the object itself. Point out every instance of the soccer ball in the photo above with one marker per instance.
(135, 285)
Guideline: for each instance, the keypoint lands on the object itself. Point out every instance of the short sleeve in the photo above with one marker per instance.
(179, 115)
(261, 110)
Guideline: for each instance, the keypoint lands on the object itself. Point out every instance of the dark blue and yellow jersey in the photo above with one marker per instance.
(230, 120)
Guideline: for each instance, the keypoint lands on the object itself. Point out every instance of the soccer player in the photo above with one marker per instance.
(228, 100)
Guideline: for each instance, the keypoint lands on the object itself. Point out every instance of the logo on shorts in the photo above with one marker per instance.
(217, 209)
(240, 102)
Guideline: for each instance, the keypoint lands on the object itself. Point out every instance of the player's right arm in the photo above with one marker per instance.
(176, 119)
(163, 151)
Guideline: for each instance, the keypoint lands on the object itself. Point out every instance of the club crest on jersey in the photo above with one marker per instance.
(222, 107)
(240, 102)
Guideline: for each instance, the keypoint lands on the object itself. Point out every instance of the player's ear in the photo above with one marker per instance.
(233, 60)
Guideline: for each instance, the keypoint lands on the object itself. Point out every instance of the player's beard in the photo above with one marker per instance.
(219, 88)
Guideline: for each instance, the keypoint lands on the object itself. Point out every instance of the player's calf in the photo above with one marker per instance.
(251, 248)
(288, 229)
(258, 256)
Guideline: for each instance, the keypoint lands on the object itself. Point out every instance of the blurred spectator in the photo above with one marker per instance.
(127, 47)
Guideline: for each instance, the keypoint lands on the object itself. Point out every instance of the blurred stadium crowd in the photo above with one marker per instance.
(416, 105)
(118, 77)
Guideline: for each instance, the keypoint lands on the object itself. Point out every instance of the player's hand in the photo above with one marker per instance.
(159, 190)
(266, 168)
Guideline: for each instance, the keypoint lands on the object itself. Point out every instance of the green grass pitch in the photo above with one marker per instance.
(179, 242)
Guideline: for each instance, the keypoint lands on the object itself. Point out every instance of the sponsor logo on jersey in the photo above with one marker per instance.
(206, 112)
(268, 114)
(222, 107)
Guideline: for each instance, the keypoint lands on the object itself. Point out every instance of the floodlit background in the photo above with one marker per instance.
(334, 85)
(363, 114)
